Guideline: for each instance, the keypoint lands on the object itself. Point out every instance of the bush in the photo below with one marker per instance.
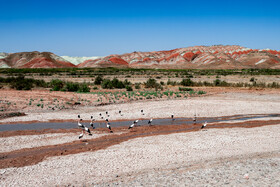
(84, 88)
(20, 83)
(217, 82)
(107, 84)
(117, 84)
(56, 84)
(185, 89)
(151, 83)
(201, 92)
(173, 83)
(128, 88)
(187, 82)
(98, 80)
(137, 86)
(72, 87)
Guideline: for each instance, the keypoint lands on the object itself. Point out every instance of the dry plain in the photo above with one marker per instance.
(244, 153)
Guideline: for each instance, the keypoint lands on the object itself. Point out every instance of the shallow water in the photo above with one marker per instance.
(164, 121)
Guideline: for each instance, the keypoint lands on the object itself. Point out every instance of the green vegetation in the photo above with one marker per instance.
(152, 83)
(185, 89)
(22, 83)
(115, 83)
(187, 82)
(118, 71)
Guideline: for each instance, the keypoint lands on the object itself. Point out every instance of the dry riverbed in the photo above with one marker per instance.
(149, 156)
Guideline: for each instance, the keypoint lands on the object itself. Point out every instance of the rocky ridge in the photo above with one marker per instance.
(198, 57)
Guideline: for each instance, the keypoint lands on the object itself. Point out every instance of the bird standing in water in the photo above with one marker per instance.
(150, 122)
(204, 125)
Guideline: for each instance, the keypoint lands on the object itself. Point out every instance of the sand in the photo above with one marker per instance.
(226, 104)
(13, 143)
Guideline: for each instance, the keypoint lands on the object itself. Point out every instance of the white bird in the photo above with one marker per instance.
(87, 130)
(109, 127)
(80, 125)
(131, 126)
(81, 135)
(204, 125)
(91, 123)
(134, 123)
(150, 122)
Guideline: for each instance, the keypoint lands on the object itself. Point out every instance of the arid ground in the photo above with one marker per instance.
(243, 152)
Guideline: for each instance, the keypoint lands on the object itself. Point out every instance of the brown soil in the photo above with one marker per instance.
(24, 157)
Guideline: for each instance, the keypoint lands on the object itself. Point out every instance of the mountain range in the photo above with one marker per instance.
(198, 57)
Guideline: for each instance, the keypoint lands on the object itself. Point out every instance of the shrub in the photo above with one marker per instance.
(201, 92)
(84, 87)
(185, 89)
(20, 83)
(56, 84)
(72, 87)
(107, 84)
(128, 88)
(98, 80)
(151, 83)
(187, 82)
(137, 86)
(217, 82)
(169, 82)
(117, 84)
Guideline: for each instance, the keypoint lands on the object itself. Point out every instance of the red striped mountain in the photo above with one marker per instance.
(34, 59)
(198, 57)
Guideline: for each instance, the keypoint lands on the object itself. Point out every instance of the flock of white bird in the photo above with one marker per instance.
(108, 125)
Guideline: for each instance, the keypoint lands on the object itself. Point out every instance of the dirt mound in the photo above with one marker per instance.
(35, 59)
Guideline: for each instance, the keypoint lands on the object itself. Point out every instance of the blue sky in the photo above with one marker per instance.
(100, 28)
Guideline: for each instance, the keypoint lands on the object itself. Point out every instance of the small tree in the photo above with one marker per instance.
(98, 80)
(187, 82)
(84, 87)
(151, 83)
(128, 88)
(106, 84)
(217, 82)
(72, 87)
(57, 84)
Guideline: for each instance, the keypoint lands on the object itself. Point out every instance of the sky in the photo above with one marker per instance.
(101, 28)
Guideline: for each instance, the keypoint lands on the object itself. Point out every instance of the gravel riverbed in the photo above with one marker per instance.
(234, 157)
